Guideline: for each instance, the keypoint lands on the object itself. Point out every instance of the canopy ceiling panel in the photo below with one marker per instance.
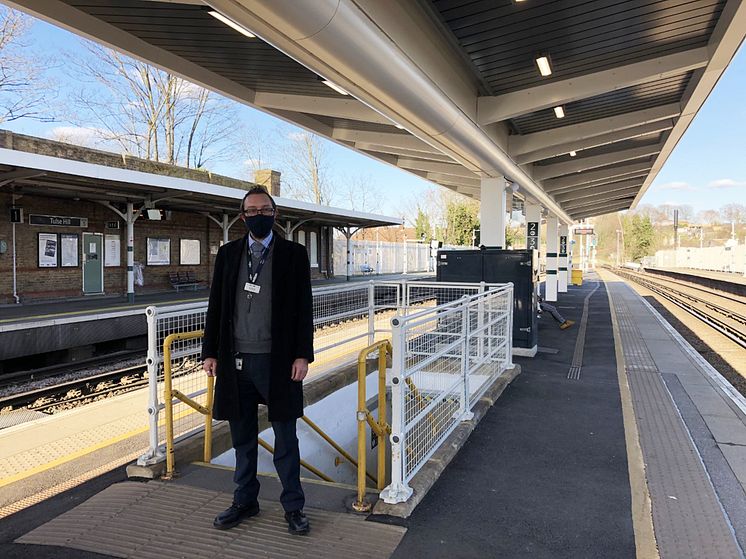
(449, 90)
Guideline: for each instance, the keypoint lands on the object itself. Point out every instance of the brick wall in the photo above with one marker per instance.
(36, 283)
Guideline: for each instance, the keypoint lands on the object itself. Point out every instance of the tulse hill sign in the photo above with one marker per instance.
(57, 221)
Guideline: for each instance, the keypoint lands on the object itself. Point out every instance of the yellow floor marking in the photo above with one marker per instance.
(83, 451)
(642, 511)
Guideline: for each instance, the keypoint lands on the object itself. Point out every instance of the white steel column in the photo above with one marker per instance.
(550, 287)
(563, 272)
(492, 212)
(130, 217)
(533, 226)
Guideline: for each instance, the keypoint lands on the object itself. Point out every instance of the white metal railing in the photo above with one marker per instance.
(347, 318)
(444, 359)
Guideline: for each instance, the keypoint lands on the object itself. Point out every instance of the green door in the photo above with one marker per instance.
(93, 263)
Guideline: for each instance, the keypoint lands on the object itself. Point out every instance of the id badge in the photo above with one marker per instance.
(239, 364)
(252, 287)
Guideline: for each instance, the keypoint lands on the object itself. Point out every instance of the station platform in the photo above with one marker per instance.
(616, 440)
(731, 277)
(93, 305)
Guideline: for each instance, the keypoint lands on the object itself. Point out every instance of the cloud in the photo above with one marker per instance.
(78, 135)
(676, 186)
(726, 183)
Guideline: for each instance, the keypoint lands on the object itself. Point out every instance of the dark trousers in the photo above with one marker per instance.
(551, 309)
(253, 384)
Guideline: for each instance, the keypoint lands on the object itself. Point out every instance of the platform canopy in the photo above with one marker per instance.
(452, 90)
(120, 181)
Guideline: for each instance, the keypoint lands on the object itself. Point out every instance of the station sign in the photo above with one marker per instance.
(16, 215)
(563, 245)
(532, 235)
(112, 224)
(57, 221)
(584, 231)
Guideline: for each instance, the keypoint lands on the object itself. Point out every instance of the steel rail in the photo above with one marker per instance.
(50, 396)
(688, 302)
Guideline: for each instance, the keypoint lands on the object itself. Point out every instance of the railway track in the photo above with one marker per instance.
(78, 391)
(726, 314)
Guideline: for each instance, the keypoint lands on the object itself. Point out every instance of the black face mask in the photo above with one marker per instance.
(260, 225)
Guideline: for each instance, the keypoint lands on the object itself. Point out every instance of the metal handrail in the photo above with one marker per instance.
(169, 394)
(380, 427)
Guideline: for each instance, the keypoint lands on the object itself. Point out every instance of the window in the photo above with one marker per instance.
(302, 237)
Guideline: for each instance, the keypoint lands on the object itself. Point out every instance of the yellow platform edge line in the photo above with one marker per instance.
(83, 451)
(642, 514)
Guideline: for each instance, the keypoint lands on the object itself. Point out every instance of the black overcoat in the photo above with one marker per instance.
(292, 327)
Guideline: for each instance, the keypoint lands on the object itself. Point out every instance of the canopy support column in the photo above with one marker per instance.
(492, 212)
(550, 287)
(563, 272)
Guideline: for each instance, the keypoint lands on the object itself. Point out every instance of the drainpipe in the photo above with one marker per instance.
(15, 290)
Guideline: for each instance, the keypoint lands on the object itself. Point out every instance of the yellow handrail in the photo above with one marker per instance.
(334, 445)
(169, 394)
(380, 427)
(268, 447)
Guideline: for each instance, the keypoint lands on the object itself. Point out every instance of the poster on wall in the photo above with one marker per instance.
(48, 250)
(112, 251)
(69, 251)
(159, 252)
(189, 252)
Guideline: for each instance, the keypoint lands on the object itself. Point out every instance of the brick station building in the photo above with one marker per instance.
(66, 210)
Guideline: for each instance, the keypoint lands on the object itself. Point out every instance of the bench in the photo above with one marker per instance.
(185, 280)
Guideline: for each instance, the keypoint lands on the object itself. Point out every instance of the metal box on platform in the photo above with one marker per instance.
(492, 265)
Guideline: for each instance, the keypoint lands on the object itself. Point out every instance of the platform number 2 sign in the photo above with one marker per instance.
(532, 235)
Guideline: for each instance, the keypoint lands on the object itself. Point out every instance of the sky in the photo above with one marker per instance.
(706, 170)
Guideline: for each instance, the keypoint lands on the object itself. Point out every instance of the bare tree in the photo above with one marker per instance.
(306, 168)
(360, 194)
(733, 212)
(150, 113)
(711, 217)
(24, 89)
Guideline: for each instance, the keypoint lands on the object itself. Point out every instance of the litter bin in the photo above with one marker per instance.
(577, 277)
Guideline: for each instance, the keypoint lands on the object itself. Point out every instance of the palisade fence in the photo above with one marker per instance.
(462, 327)
(383, 257)
(718, 259)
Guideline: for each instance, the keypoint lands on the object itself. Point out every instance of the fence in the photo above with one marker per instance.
(444, 359)
(346, 320)
(719, 259)
(384, 257)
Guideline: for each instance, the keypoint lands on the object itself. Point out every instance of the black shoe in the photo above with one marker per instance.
(297, 523)
(233, 515)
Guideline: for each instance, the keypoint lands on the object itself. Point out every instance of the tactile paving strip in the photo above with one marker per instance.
(577, 357)
(157, 520)
(688, 519)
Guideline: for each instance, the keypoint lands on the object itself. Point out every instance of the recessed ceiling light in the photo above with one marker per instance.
(573, 154)
(334, 86)
(545, 69)
(230, 23)
(560, 112)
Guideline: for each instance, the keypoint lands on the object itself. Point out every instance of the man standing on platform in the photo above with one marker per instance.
(258, 343)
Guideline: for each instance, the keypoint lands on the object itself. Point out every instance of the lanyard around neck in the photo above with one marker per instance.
(265, 253)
